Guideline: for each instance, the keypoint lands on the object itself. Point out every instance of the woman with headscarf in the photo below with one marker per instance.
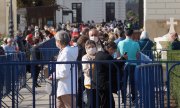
(146, 44)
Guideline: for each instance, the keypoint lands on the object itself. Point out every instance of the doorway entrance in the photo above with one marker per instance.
(110, 11)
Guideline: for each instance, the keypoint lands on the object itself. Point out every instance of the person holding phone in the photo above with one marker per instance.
(131, 49)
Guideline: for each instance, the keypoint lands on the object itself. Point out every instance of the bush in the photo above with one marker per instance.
(175, 75)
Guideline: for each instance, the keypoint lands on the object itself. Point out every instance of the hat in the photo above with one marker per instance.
(75, 33)
(28, 37)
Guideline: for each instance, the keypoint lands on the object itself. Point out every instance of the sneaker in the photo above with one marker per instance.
(37, 85)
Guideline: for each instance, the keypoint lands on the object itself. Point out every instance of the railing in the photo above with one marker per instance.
(147, 81)
(13, 78)
(144, 88)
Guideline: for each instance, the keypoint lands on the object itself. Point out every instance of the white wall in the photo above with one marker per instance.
(94, 9)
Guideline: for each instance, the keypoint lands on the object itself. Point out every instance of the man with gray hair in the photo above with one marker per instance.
(65, 71)
(94, 35)
(10, 48)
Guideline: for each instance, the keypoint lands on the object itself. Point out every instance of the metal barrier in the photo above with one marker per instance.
(48, 54)
(155, 55)
(113, 89)
(149, 88)
(11, 76)
(48, 44)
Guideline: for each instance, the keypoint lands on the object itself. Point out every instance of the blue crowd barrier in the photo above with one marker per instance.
(149, 83)
(149, 86)
(154, 55)
(48, 44)
(12, 74)
(48, 54)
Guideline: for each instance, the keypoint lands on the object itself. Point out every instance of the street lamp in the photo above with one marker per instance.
(11, 25)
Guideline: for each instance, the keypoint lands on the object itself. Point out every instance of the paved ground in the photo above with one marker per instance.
(42, 98)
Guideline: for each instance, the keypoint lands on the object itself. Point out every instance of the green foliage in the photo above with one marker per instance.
(175, 75)
(1, 38)
(131, 14)
(30, 3)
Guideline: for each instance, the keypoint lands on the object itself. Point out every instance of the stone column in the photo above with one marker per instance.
(14, 8)
(3, 17)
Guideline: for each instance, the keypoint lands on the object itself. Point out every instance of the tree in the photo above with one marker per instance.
(30, 3)
(131, 14)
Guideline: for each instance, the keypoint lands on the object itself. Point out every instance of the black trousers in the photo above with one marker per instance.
(129, 72)
(106, 99)
(91, 96)
(80, 91)
(37, 71)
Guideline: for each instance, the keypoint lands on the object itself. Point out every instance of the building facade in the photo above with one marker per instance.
(156, 15)
(88, 10)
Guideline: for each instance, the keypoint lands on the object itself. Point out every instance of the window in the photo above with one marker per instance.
(77, 12)
(110, 11)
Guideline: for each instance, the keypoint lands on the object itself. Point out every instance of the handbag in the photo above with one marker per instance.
(84, 97)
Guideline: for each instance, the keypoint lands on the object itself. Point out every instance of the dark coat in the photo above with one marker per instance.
(102, 72)
(175, 45)
(2, 52)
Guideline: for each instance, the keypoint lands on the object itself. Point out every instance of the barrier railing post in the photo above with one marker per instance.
(13, 87)
(72, 85)
(33, 86)
(76, 79)
(168, 86)
(110, 87)
(17, 84)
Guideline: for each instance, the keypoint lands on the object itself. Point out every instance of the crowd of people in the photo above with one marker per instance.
(86, 42)
(94, 43)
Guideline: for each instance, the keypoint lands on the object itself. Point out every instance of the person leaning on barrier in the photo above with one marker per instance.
(65, 71)
(35, 56)
(88, 70)
(102, 75)
(175, 43)
(132, 49)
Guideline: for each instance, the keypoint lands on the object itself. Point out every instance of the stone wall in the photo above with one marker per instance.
(2, 17)
(157, 13)
(158, 28)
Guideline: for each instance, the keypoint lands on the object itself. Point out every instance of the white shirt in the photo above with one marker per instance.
(63, 71)
(86, 69)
